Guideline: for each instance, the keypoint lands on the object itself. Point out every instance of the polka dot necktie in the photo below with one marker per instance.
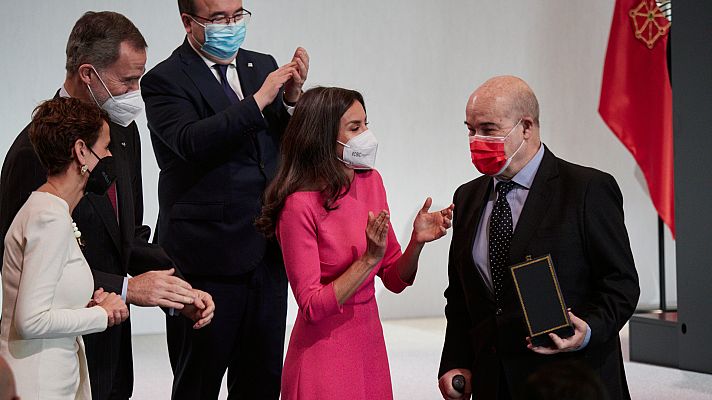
(500, 237)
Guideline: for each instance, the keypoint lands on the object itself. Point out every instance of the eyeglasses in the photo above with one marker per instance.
(240, 16)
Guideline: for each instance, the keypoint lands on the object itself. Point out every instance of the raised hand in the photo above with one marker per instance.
(274, 81)
(293, 87)
(429, 226)
(376, 235)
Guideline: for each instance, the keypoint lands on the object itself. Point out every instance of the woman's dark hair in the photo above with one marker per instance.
(57, 124)
(309, 158)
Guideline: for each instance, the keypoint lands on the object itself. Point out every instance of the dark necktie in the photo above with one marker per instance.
(500, 237)
(222, 71)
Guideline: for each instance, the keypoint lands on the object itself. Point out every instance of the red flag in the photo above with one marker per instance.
(636, 97)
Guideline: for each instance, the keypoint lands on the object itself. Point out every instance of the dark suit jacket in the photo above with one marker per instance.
(112, 248)
(216, 159)
(575, 214)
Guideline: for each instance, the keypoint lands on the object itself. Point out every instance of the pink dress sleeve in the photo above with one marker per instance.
(296, 233)
(388, 271)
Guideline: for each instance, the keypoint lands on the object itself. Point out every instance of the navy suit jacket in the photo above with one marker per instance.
(575, 214)
(216, 159)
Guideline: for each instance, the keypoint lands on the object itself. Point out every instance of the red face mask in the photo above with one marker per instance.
(488, 153)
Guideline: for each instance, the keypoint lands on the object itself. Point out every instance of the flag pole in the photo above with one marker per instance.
(661, 263)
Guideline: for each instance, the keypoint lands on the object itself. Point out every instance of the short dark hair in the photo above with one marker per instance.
(96, 39)
(186, 6)
(57, 124)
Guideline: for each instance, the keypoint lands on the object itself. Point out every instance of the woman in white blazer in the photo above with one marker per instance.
(47, 285)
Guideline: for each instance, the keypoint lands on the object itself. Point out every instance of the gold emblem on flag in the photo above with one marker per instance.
(649, 22)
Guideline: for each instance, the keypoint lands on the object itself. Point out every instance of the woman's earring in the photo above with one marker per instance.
(84, 169)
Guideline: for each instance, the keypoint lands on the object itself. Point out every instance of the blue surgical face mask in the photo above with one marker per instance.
(223, 41)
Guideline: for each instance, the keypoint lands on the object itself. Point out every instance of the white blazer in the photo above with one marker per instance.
(47, 284)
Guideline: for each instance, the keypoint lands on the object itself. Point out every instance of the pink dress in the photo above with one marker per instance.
(335, 352)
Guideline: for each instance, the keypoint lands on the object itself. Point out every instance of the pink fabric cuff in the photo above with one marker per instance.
(392, 280)
(322, 304)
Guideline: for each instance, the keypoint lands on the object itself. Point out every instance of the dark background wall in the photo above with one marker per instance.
(692, 123)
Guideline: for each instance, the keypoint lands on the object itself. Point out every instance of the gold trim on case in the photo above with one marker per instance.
(558, 293)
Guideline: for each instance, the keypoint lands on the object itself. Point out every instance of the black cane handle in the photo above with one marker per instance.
(458, 383)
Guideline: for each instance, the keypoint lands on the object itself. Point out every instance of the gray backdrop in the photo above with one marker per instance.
(416, 62)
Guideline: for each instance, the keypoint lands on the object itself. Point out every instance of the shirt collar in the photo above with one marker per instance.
(211, 64)
(63, 92)
(525, 177)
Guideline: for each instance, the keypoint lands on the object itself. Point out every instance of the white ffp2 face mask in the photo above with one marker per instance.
(122, 109)
(360, 151)
(125, 108)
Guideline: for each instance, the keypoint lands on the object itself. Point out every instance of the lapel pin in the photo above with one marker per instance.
(123, 144)
(249, 65)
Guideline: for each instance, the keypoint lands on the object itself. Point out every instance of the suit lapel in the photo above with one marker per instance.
(121, 144)
(203, 78)
(247, 74)
(119, 232)
(103, 208)
(478, 200)
(535, 207)
(249, 84)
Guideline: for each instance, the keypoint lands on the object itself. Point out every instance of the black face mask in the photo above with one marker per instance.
(102, 176)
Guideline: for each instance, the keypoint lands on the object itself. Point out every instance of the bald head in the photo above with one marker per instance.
(508, 97)
(7, 382)
(505, 107)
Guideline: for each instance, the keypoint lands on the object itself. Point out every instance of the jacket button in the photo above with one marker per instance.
(498, 312)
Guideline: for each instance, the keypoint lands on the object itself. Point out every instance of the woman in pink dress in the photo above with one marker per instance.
(327, 207)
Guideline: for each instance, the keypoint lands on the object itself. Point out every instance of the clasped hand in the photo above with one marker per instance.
(116, 309)
(561, 345)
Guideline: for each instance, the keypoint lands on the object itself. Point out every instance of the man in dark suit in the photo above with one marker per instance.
(105, 59)
(531, 203)
(216, 114)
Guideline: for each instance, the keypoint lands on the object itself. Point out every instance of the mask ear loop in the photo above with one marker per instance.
(513, 128)
(341, 159)
(518, 148)
(510, 158)
(191, 31)
(95, 155)
(520, 144)
(102, 83)
(91, 92)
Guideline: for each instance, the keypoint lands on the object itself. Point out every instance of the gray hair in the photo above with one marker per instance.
(96, 39)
